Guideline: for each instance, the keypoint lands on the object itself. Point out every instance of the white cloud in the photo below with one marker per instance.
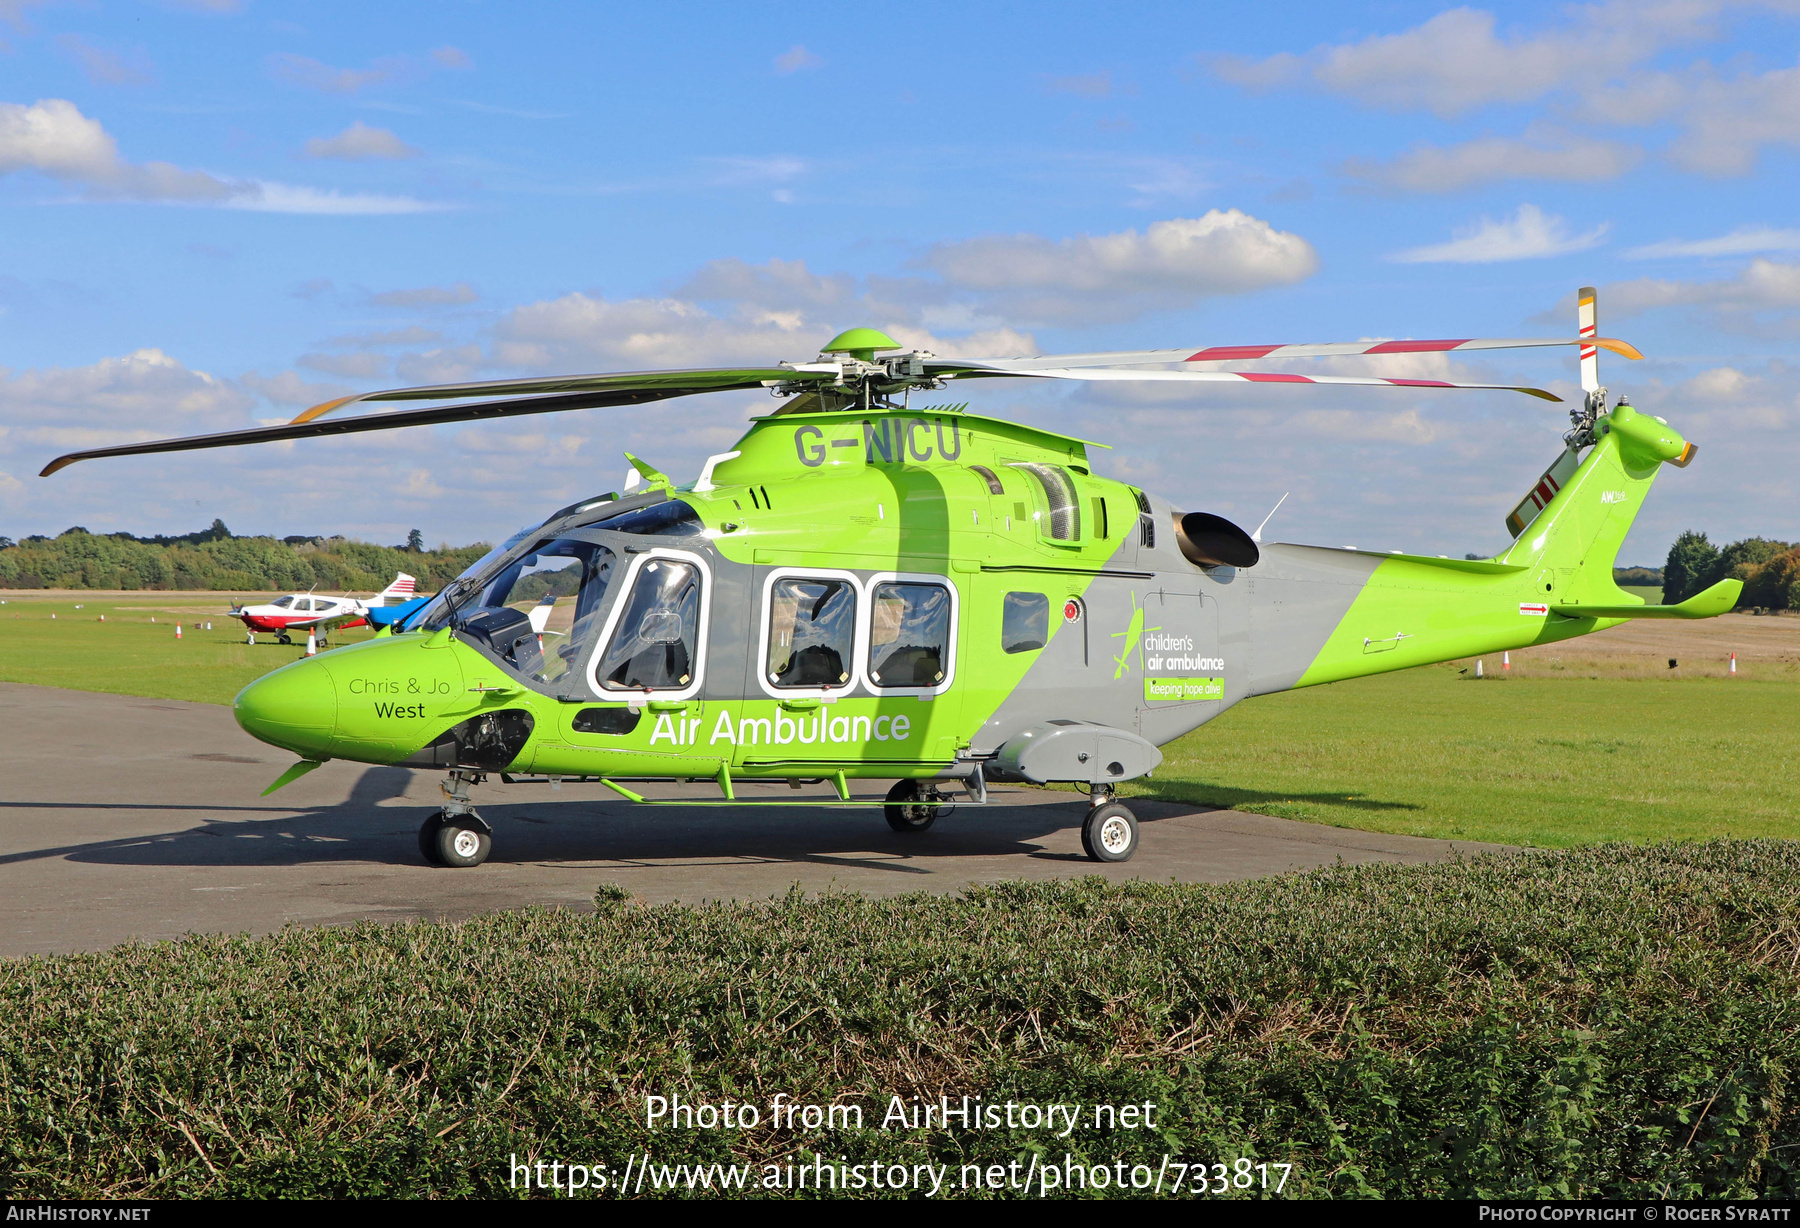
(53, 137)
(1433, 168)
(1728, 122)
(441, 366)
(1603, 62)
(578, 331)
(1457, 60)
(1763, 285)
(143, 395)
(265, 197)
(451, 57)
(1529, 234)
(1743, 241)
(1173, 263)
(778, 284)
(795, 58)
(359, 142)
(287, 388)
(428, 296)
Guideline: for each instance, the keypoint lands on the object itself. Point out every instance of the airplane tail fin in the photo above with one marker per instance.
(402, 589)
(540, 613)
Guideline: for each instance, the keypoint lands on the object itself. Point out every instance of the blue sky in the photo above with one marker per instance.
(215, 213)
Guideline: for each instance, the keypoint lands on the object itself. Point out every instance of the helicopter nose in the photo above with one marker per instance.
(294, 708)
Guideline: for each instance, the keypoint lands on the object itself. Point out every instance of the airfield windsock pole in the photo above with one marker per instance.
(312, 643)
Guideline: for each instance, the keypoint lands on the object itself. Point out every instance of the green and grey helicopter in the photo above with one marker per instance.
(863, 589)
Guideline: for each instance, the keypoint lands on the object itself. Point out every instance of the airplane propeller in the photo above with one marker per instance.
(858, 368)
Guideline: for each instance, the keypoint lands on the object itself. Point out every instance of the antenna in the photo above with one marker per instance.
(1257, 536)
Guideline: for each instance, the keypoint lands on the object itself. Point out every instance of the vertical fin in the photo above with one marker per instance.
(1586, 318)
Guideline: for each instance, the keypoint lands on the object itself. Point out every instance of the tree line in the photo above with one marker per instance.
(217, 559)
(1769, 569)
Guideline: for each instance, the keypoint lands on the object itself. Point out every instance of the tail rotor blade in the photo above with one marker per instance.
(1590, 329)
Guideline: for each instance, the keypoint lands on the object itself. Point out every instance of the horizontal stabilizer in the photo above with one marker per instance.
(1719, 599)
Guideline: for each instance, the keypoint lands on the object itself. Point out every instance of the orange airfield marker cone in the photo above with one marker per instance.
(177, 630)
(312, 644)
(1506, 660)
(1734, 665)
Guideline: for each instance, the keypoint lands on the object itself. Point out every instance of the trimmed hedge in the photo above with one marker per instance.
(1611, 1021)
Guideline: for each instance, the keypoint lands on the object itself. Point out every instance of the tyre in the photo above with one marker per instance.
(1110, 833)
(903, 813)
(282, 637)
(428, 838)
(461, 842)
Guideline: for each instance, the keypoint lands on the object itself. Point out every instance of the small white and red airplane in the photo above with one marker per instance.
(298, 612)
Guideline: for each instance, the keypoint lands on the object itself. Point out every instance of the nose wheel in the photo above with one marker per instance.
(455, 840)
(456, 836)
(1110, 831)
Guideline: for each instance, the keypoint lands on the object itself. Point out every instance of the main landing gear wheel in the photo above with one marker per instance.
(457, 841)
(282, 637)
(903, 812)
(1110, 833)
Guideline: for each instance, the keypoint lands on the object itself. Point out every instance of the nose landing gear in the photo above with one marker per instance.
(1110, 831)
(456, 836)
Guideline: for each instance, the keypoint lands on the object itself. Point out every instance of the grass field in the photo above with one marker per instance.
(1591, 740)
(130, 654)
(1606, 1022)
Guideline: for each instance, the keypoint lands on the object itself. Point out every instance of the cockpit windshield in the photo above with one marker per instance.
(535, 613)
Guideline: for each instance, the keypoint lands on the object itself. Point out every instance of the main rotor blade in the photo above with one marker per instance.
(1250, 377)
(696, 379)
(407, 417)
(1244, 353)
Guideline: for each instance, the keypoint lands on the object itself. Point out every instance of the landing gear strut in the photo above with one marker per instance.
(1110, 831)
(456, 836)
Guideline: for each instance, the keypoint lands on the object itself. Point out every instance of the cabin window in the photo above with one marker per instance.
(654, 643)
(1024, 622)
(282, 603)
(909, 635)
(812, 632)
(1062, 507)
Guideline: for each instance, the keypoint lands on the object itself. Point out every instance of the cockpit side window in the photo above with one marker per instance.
(812, 632)
(655, 641)
(535, 614)
(282, 603)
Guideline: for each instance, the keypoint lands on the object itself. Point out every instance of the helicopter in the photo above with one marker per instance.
(864, 589)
